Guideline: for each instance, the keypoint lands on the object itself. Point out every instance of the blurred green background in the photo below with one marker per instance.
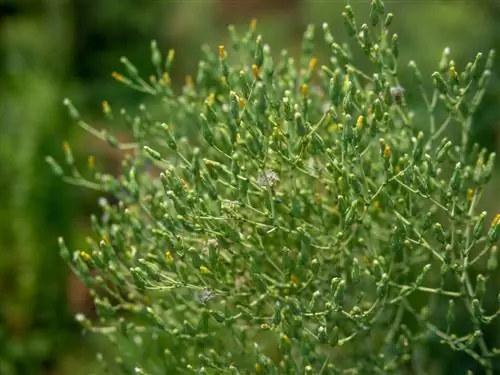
(51, 49)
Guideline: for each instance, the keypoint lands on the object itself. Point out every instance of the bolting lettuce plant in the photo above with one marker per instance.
(278, 216)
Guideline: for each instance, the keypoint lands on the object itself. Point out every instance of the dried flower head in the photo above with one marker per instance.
(204, 296)
(397, 92)
(268, 179)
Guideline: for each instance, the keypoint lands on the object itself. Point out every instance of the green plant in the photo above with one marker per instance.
(280, 217)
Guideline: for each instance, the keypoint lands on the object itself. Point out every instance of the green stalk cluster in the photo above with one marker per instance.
(284, 217)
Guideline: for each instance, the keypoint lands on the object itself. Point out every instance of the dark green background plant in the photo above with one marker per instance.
(58, 48)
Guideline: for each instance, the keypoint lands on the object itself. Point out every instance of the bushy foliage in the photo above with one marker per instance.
(307, 225)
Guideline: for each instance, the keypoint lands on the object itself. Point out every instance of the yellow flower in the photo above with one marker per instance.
(313, 62)
(118, 76)
(359, 122)
(387, 151)
(105, 107)
(189, 81)
(204, 270)
(222, 52)
(85, 256)
(253, 24)
(255, 71)
(496, 220)
(470, 194)
(66, 147)
(91, 162)
(304, 89)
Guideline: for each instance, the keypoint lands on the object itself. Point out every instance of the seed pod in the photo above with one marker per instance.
(440, 83)
(338, 296)
(493, 259)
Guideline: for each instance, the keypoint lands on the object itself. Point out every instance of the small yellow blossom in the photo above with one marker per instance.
(253, 24)
(165, 79)
(255, 71)
(106, 107)
(304, 89)
(118, 76)
(204, 270)
(294, 280)
(387, 151)
(359, 122)
(496, 220)
(85, 256)
(66, 147)
(170, 55)
(91, 162)
(189, 81)
(313, 62)
(210, 99)
(169, 257)
(333, 128)
(222, 52)
(470, 194)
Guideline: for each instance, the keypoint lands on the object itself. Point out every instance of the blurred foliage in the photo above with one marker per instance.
(50, 49)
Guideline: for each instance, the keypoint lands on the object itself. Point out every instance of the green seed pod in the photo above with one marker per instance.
(152, 153)
(73, 112)
(338, 296)
(388, 20)
(479, 226)
(336, 87)
(494, 232)
(329, 39)
(484, 79)
(493, 259)
(456, 179)
(480, 287)
(439, 233)
(383, 286)
(475, 68)
(355, 272)
(155, 55)
(440, 83)
(277, 314)
(418, 148)
(56, 168)
(443, 151)
(259, 52)
(207, 132)
(450, 315)
(416, 72)
(477, 309)
(374, 14)
(444, 62)
(170, 138)
(420, 277)
(349, 22)
(395, 46)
